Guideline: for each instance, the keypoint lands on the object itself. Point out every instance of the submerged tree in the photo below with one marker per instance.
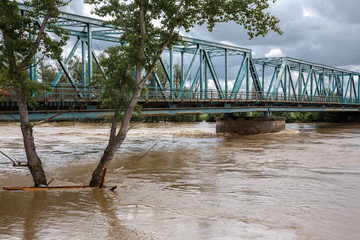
(21, 39)
(149, 26)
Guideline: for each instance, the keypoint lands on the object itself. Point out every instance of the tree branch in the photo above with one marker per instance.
(142, 43)
(8, 158)
(135, 125)
(12, 60)
(28, 58)
(64, 4)
(166, 43)
(130, 164)
(114, 122)
(42, 58)
(48, 119)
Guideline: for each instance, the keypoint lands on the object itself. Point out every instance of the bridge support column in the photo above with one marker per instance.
(249, 125)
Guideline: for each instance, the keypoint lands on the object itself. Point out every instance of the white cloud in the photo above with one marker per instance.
(275, 52)
(227, 43)
(87, 10)
(308, 13)
(355, 68)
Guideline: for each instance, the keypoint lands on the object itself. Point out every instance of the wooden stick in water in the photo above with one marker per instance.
(103, 176)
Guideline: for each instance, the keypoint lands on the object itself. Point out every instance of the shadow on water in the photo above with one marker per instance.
(85, 214)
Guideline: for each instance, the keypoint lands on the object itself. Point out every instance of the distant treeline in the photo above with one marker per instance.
(291, 117)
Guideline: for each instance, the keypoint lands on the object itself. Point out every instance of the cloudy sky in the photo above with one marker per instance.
(322, 31)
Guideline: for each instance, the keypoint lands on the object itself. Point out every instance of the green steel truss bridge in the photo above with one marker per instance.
(198, 77)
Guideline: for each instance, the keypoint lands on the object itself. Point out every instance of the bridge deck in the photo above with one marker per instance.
(176, 102)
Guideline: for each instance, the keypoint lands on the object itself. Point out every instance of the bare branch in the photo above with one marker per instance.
(50, 181)
(42, 58)
(39, 36)
(48, 119)
(8, 158)
(130, 164)
(166, 43)
(135, 125)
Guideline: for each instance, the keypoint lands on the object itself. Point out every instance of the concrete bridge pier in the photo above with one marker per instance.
(249, 125)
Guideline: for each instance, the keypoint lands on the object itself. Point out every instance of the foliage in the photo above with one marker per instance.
(149, 26)
(160, 72)
(75, 68)
(119, 83)
(23, 36)
(291, 117)
(22, 40)
(177, 76)
(147, 40)
(47, 72)
(308, 117)
(172, 118)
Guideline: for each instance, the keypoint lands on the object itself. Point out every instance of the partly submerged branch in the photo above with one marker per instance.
(48, 119)
(130, 164)
(135, 125)
(15, 164)
(9, 158)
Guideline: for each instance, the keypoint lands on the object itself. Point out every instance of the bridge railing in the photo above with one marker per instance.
(88, 94)
(58, 94)
(213, 95)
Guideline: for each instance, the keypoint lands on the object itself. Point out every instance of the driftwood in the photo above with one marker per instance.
(45, 188)
(103, 176)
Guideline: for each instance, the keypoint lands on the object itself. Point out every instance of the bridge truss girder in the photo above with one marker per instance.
(83, 30)
(298, 79)
(209, 71)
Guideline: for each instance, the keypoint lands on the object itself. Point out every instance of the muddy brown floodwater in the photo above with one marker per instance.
(302, 183)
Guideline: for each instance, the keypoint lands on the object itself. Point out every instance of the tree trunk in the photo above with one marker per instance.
(108, 155)
(33, 160)
(115, 141)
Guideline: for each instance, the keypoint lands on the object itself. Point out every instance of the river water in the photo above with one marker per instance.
(302, 183)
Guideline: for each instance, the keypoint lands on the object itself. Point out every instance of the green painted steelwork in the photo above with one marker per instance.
(207, 83)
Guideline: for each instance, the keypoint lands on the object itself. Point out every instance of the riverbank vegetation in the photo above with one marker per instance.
(291, 117)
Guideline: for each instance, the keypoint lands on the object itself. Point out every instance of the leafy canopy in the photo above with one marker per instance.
(150, 26)
(23, 35)
(162, 16)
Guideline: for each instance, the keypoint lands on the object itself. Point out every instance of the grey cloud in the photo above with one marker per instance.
(327, 33)
(344, 11)
(324, 31)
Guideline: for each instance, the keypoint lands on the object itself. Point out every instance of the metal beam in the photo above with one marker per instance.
(213, 74)
(239, 78)
(190, 67)
(61, 72)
